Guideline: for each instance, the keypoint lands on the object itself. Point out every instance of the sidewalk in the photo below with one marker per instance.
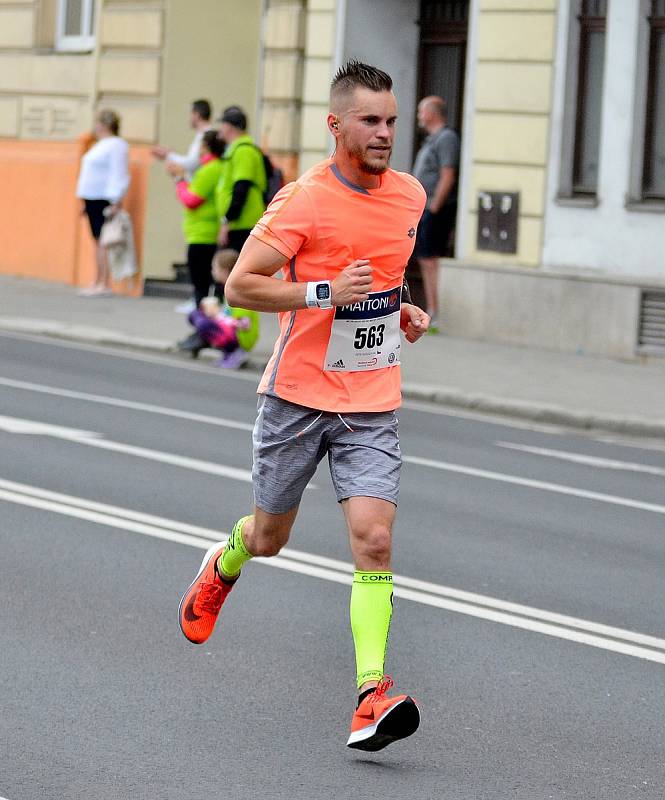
(551, 387)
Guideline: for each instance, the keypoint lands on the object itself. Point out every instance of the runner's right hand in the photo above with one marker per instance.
(353, 283)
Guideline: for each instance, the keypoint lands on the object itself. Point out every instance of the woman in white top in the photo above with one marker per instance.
(103, 182)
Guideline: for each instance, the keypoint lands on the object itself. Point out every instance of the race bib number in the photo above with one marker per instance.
(365, 336)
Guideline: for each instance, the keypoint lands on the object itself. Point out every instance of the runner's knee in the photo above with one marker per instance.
(372, 541)
(268, 533)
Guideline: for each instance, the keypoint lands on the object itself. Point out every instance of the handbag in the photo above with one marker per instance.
(113, 231)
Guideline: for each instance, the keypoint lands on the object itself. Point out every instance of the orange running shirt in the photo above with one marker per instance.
(321, 223)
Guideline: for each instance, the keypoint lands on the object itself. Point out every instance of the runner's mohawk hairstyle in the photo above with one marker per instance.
(354, 74)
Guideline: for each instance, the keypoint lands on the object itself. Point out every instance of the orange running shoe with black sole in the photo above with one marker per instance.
(201, 603)
(380, 720)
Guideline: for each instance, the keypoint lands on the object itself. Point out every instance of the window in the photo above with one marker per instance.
(75, 25)
(590, 69)
(653, 177)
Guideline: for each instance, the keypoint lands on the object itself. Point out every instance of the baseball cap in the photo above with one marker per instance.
(235, 116)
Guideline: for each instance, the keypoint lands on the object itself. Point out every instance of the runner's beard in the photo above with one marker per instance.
(375, 166)
(369, 165)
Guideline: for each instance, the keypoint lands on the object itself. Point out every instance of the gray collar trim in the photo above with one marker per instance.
(335, 171)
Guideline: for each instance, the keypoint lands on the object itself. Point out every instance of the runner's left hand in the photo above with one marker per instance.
(413, 321)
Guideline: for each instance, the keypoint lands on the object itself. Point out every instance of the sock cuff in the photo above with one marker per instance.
(236, 540)
(366, 578)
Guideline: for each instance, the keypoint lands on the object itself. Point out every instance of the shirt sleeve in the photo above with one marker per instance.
(238, 199)
(203, 182)
(447, 150)
(247, 163)
(117, 181)
(288, 223)
(187, 198)
(190, 161)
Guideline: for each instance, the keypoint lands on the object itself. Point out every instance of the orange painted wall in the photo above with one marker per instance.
(42, 232)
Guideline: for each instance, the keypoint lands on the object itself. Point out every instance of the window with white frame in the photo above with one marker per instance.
(75, 25)
(653, 175)
(583, 104)
(589, 94)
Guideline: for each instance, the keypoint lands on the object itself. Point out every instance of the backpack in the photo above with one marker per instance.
(274, 175)
(274, 178)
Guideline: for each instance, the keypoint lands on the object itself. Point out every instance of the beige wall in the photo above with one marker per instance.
(128, 79)
(512, 100)
(282, 76)
(43, 94)
(150, 59)
(218, 60)
(318, 71)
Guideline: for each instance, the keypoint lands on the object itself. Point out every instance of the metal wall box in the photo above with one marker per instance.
(497, 221)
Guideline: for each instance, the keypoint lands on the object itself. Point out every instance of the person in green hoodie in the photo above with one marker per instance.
(240, 191)
(201, 220)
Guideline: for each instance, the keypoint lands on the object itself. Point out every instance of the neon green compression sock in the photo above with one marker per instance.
(371, 612)
(235, 553)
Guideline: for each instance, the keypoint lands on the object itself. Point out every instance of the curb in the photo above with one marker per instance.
(438, 395)
(537, 412)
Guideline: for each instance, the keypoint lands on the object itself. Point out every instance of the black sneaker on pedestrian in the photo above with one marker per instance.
(192, 344)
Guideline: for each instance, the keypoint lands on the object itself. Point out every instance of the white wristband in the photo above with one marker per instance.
(318, 294)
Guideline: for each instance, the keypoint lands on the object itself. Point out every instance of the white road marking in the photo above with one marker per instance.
(196, 464)
(618, 640)
(533, 484)
(91, 439)
(580, 458)
(417, 405)
(30, 427)
(414, 405)
(488, 418)
(130, 404)
(132, 355)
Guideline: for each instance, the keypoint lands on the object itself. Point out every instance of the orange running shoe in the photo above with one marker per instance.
(201, 603)
(380, 720)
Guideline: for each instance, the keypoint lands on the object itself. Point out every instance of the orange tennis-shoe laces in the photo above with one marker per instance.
(201, 603)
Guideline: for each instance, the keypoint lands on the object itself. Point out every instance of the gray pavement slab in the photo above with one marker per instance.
(547, 386)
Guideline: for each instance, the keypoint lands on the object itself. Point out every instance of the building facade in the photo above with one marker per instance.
(60, 62)
(560, 105)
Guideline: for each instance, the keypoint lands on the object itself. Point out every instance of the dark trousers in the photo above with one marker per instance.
(199, 263)
(238, 238)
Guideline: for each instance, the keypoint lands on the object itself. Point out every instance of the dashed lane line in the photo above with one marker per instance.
(132, 405)
(583, 458)
(530, 483)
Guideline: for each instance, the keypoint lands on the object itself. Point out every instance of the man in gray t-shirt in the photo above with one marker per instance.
(436, 167)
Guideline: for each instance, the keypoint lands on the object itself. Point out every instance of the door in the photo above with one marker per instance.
(443, 35)
(441, 63)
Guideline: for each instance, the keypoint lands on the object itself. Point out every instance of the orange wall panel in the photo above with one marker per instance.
(42, 232)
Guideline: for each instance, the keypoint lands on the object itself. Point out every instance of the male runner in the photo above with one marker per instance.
(342, 235)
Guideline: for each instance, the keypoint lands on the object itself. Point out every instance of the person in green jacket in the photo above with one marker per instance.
(201, 220)
(240, 191)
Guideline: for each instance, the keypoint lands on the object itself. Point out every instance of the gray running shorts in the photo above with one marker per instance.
(290, 441)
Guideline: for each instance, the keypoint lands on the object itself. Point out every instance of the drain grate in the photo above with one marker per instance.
(652, 320)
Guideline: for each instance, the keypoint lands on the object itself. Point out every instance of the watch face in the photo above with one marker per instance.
(322, 291)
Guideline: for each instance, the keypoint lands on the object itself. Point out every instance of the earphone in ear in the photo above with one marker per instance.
(335, 125)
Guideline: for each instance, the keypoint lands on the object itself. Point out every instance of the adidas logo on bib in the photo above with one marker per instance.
(338, 364)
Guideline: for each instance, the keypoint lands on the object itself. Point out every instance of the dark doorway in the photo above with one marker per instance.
(443, 35)
(444, 28)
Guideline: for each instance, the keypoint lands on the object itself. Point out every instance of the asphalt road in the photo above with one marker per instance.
(529, 618)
